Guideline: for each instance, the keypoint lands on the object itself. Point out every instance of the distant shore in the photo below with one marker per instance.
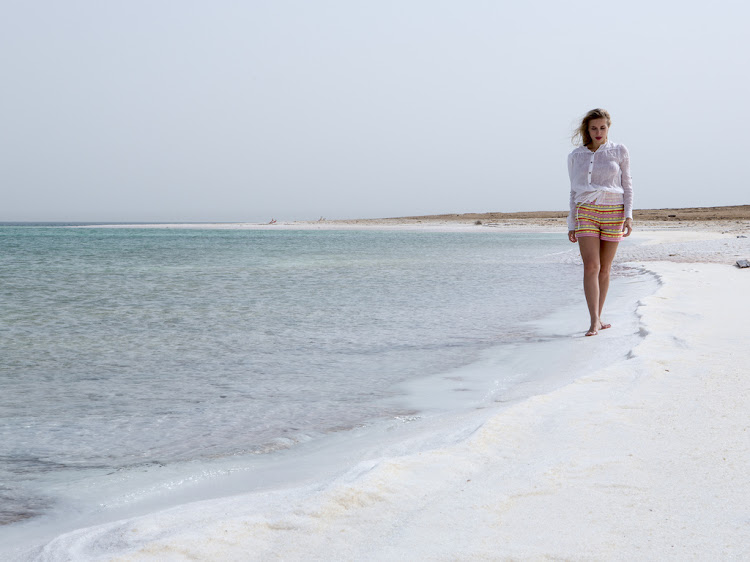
(553, 219)
(703, 218)
(736, 212)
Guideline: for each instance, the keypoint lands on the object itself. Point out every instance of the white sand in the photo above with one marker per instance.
(645, 459)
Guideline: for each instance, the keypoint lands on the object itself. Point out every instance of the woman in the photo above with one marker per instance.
(601, 206)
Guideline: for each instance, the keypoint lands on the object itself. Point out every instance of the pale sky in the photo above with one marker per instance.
(154, 110)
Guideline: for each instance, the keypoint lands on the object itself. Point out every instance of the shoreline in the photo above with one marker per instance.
(714, 218)
(625, 445)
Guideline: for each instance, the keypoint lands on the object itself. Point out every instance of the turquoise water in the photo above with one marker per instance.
(124, 348)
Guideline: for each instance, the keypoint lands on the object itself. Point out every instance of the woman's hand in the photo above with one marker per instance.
(572, 236)
(627, 228)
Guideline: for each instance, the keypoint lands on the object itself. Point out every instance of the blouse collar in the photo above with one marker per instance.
(608, 144)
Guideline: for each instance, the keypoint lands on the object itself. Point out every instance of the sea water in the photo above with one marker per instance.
(135, 362)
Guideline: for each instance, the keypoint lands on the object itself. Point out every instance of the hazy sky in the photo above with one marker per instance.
(153, 110)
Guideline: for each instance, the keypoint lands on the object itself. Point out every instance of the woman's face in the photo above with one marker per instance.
(598, 130)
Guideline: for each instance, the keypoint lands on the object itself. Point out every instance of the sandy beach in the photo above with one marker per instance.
(645, 459)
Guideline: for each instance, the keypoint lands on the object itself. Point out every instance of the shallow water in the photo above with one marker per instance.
(125, 350)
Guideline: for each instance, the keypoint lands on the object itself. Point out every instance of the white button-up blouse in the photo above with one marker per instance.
(601, 177)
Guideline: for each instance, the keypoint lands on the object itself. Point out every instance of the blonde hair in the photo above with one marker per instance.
(582, 134)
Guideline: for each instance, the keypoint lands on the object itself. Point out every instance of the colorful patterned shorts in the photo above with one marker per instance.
(603, 221)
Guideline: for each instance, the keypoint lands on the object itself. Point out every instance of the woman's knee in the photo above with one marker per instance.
(605, 268)
(591, 268)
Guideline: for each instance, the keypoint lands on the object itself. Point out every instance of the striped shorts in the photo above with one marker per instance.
(603, 221)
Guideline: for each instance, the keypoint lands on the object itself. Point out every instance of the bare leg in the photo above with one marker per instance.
(606, 256)
(590, 248)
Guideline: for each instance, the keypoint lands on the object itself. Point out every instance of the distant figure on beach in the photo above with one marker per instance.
(272, 221)
(601, 206)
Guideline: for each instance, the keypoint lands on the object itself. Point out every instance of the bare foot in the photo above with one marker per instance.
(591, 332)
(605, 326)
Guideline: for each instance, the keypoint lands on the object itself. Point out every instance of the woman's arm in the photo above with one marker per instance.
(572, 202)
(626, 181)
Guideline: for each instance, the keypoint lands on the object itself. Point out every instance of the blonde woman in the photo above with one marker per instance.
(601, 206)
